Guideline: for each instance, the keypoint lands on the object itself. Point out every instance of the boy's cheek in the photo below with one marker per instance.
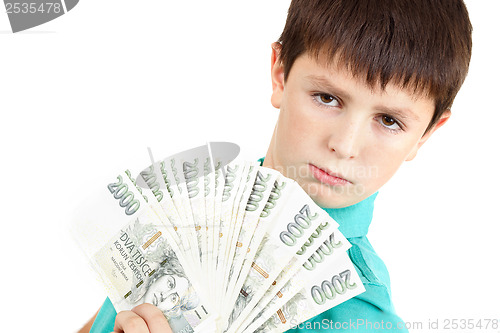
(295, 129)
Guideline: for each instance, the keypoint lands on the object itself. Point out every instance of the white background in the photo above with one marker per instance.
(84, 96)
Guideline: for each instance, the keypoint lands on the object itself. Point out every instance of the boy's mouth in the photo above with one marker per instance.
(328, 177)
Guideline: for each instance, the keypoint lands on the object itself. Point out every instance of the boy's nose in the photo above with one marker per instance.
(346, 139)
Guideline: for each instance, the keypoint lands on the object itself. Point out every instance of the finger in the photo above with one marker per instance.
(155, 319)
(130, 322)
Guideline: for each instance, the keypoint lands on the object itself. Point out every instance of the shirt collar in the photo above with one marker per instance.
(353, 220)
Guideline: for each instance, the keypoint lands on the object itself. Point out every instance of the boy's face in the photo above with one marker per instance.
(332, 123)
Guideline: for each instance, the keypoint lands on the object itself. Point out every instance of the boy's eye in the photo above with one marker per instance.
(390, 123)
(326, 99)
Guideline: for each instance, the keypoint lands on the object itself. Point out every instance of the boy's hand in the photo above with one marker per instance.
(144, 318)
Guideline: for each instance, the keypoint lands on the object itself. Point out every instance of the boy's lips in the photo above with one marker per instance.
(328, 177)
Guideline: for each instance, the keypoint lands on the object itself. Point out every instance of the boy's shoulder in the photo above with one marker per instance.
(368, 262)
(373, 273)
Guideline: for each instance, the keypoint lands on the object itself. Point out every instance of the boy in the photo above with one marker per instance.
(360, 85)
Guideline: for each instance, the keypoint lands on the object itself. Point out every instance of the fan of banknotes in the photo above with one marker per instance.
(218, 244)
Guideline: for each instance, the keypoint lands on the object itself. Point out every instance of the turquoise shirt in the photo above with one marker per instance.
(105, 320)
(368, 312)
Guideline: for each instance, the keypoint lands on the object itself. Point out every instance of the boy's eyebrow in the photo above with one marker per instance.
(326, 84)
(403, 113)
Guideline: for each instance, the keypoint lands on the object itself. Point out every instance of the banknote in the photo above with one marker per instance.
(193, 165)
(135, 255)
(216, 229)
(323, 287)
(182, 196)
(244, 192)
(209, 198)
(151, 185)
(232, 183)
(326, 241)
(172, 176)
(259, 197)
(310, 260)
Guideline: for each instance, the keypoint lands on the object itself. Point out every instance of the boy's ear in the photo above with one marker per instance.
(277, 75)
(444, 118)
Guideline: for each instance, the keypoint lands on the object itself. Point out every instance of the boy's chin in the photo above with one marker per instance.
(334, 197)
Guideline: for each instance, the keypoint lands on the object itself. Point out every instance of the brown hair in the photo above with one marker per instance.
(423, 45)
